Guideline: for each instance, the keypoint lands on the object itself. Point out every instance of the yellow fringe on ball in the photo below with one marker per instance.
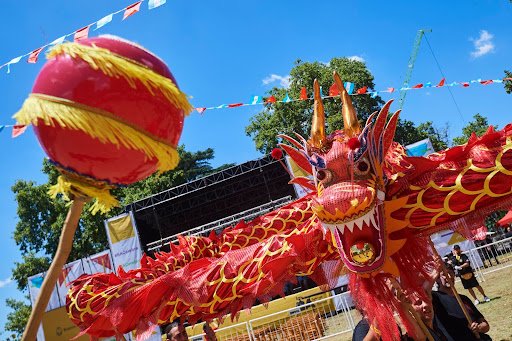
(114, 65)
(99, 124)
(103, 200)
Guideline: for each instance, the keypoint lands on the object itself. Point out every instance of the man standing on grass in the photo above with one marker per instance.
(462, 266)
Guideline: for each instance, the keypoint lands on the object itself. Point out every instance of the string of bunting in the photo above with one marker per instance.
(83, 33)
(333, 92)
(350, 87)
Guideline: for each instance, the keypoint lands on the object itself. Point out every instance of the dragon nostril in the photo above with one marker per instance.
(363, 166)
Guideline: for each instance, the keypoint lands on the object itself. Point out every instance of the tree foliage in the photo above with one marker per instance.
(41, 218)
(287, 118)
(479, 126)
(295, 116)
(508, 83)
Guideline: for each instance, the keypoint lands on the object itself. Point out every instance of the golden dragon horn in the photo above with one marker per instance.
(318, 124)
(350, 121)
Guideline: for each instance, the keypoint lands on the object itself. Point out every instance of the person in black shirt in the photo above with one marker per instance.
(461, 264)
(449, 319)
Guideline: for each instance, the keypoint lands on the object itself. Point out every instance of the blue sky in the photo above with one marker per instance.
(222, 51)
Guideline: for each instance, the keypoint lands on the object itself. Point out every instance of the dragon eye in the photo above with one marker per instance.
(363, 166)
(324, 175)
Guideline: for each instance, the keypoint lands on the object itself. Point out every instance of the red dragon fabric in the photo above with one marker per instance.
(370, 212)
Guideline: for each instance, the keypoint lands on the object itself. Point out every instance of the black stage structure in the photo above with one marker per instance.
(212, 202)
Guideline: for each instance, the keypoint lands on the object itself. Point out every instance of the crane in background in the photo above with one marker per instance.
(410, 65)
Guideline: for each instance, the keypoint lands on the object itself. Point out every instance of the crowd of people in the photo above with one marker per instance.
(448, 318)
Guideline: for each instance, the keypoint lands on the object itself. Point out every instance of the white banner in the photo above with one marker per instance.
(124, 241)
(70, 272)
(99, 263)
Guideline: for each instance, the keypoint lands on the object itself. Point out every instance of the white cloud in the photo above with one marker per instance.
(284, 81)
(357, 58)
(5, 282)
(483, 45)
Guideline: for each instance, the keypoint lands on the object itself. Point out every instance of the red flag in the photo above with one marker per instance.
(81, 34)
(200, 110)
(103, 260)
(464, 84)
(441, 83)
(18, 129)
(333, 90)
(303, 93)
(63, 275)
(362, 90)
(487, 82)
(32, 58)
(418, 86)
(390, 90)
(234, 105)
(132, 9)
(271, 99)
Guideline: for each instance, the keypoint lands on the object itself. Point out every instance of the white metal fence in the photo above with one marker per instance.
(331, 317)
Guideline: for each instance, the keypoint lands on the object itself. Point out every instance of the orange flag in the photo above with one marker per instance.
(303, 93)
(32, 58)
(132, 9)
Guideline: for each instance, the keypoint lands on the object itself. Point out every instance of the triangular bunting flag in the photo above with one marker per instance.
(441, 83)
(32, 58)
(103, 21)
(37, 282)
(391, 90)
(271, 99)
(464, 84)
(303, 93)
(256, 100)
(1, 128)
(103, 260)
(81, 34)
(200, 110)
(487, 82)
(373, 94)
(418, 86)
(234, 105)
(132, 9)
(349, 86)
(362, 90)
(12, 61)
(333, 90)
(286, 99)
(64, 275)
(18, 129)
(155, 3)
(58, 41)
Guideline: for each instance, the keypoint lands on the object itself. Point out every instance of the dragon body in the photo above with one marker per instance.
(370, 211)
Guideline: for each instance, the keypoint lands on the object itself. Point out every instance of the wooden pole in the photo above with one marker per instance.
(60, 259)
(454, 291)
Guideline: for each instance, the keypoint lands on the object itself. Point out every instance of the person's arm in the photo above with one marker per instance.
(372, 335)
(480, 324)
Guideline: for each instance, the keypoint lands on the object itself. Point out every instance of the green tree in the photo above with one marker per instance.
(287, 118)
(296, 116)
(407, 133)
(479, 126)
(41, 218)
(508, 83)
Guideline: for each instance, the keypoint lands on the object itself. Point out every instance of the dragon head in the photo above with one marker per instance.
(348, 171)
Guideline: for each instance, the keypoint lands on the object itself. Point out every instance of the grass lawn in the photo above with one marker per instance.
(498, 312)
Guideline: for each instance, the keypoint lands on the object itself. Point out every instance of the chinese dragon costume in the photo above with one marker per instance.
(369, 212)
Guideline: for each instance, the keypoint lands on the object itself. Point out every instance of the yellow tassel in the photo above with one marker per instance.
(103, 200)
(117, 66)
(102, 125)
